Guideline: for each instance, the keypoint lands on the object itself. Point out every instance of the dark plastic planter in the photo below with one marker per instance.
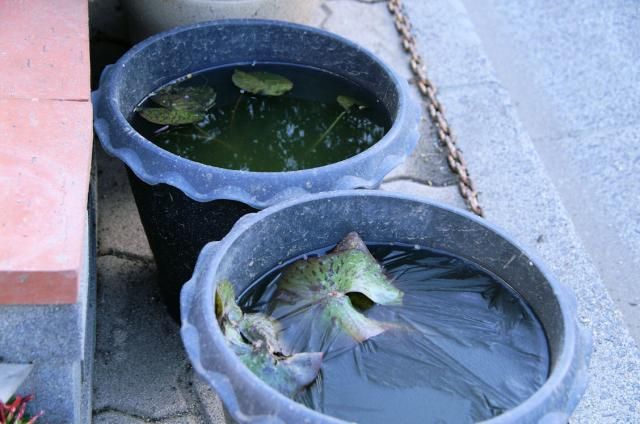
(184, 204)
(259, 241)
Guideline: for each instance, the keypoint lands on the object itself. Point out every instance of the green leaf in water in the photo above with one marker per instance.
(181, 105)
(163, 116)
(259, 327)
(326, 282)
(255, 339)
(193, 98)
(264, 83)
(288, 375)
(339, 309)
(348, 102)
(226, 307)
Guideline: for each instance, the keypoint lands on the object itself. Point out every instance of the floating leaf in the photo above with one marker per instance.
(326, 283)
(255, 339)
(162, 116)
(226, 307)
(264, 83)
(352, 241)
(339, 309)
(259, 327)
(289, 375)
(192, 98)
(348, 102)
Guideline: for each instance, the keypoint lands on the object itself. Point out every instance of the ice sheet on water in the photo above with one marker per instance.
(464, 347)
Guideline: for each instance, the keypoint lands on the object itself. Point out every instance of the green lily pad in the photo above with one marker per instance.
(195, 99)
(163, 116)
(254, 338)
(348, 102)
(263, 83)
(328, 282)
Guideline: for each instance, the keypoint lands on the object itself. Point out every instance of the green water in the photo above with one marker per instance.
(285, 133)
(467, 347)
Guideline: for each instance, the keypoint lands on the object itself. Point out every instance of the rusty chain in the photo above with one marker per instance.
(435, 108)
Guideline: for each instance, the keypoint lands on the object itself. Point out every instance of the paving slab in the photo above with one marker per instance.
(569, 66)
(427, 164)
(596, 173)
(448, 43)
(120, 231)
(140, 366)
(212, 409)
(448, 195)
(121, 418)
(370, 25)
(571, 70)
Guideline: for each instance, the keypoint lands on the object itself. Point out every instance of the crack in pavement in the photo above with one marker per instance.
(111, 410)
(421, 181)
(121, 254)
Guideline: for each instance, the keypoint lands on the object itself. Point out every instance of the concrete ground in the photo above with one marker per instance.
(141, 372)
(571, 70)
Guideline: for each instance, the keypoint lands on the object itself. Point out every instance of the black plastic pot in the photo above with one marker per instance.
(259, 241)
(182, 203)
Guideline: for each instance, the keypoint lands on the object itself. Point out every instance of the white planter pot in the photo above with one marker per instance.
(147, 17)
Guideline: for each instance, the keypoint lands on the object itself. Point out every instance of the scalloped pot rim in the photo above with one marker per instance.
(204, 183)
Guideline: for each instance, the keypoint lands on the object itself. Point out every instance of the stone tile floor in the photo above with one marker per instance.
(141, 371)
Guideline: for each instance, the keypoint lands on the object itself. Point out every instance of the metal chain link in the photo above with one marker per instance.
(435, 108)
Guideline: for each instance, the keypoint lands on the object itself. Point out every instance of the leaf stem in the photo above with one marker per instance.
(225, 144)
(162, 129)
(216, 139)
(328, 130)
(234, 111)
(201, 131)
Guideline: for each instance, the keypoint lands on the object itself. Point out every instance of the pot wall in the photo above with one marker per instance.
(258, 242)
(177, 228)
(148, 17)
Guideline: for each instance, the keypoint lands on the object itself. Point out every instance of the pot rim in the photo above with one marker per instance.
(406, 121)
(575, 340)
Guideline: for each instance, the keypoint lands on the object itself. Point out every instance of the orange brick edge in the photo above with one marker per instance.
(35, 287)
(45, 149)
